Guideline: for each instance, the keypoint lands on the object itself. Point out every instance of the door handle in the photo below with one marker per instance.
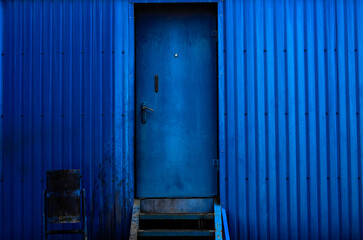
(143, 112)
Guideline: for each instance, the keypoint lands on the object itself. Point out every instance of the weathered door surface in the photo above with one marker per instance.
(176, 76)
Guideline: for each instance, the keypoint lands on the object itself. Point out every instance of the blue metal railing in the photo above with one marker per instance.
(225, 224)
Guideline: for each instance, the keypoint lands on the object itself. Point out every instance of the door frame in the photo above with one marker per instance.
(129, 92)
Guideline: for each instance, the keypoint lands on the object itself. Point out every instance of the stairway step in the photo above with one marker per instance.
(184, 216)
(176, 233)
(175, 205)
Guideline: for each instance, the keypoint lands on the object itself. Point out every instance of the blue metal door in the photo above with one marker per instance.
(176, 100)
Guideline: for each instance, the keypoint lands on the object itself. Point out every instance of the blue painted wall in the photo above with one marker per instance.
(293, 115)
(294, 119)
(63, 109)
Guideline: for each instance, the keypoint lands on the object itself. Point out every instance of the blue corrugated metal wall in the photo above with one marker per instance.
(293, 124)
(62, 109)
(294, 119)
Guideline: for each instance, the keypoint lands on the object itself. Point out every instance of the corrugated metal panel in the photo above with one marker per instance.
(63, 109)
(294, 87)
(294, 99)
